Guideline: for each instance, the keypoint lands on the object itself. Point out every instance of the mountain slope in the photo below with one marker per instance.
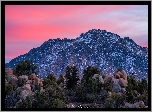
(100, 48)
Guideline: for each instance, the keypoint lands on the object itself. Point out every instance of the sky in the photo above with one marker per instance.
(29, 26)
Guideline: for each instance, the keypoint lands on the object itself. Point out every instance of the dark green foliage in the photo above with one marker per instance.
(109, 103)
(72, 77)
(37, 87)
(144, 97)
(132, 84)
(92, 86)
(139, 86)
(8, 88)
(48, 98)
(119, 101)
(142, 86)
(57, 103)
(47, 82)
(53, 97)
(89, 73)
(41, 100)
(89, 86)
(60, 79)
(90, 98)
(81, 93)
(51, 77)
(58, 93)
(88, 91)
(107, 86)
(50, 80)
(25, 68)
(27, 103)
(102, 96)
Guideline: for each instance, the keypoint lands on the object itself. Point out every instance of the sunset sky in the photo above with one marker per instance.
(29, 26)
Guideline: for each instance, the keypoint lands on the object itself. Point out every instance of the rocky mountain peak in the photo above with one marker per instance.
(96, 47)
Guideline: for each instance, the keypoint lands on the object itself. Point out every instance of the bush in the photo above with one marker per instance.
(60, 79)
(119, 101)
(72, 77)
(41, 100)
(109, 103)
(8, 88)
(107, 86)
(144, 97)
(25, 68)
(37, 87)
(51, 77)
(27, 103)
(90, 97)
(48, 82)
(57, 103)
(81, 93)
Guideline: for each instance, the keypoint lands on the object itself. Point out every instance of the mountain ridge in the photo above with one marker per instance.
(100, 48)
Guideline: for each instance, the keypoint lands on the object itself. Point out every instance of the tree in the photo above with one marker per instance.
(51, 77)
(89, 73)
(71, 77)
(53, 97)
(57, 103)
(41, 100)
(142, 86)
(60, 79)
(132, 85)
(50, 80)
(27, 103)
(89, 87)
(8, 88)
(25, 68)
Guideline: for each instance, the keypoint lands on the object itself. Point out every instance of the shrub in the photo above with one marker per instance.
(72, 77)
(90, 97)
(25, 67)
(27, 103)
(107, 86)
(60, 79)
(51, 77)
(109, 103)
(41, 100)
(37, 87)
(8, 88)
(81, 93)
(57, 103)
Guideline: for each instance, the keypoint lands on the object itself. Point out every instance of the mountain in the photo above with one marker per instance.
(100, 48)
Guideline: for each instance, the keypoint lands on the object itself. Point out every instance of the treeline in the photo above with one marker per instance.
(68, 87)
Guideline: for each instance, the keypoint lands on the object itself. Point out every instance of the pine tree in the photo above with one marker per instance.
(89, 72)
(60, 79)
(25, 68)
(71, 77)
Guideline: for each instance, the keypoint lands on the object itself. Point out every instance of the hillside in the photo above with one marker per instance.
(100, 48)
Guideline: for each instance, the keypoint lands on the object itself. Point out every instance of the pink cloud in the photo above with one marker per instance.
(36, 24)
(14, 49)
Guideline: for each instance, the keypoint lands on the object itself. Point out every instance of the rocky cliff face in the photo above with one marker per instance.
(100, 48)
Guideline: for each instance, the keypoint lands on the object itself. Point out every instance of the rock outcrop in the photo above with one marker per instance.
(139, 104)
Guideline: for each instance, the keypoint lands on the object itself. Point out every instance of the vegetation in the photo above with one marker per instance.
(140, 86)
(8, 88)
(89, 87)
(72, 77)
(89, 90)
(60, 79)
(25, 68)
(27, 103)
